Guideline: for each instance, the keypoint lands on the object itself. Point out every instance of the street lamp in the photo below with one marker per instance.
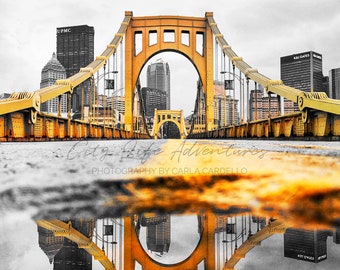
(230, 85)
(109, 84)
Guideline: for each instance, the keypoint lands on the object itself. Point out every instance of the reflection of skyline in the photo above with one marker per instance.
(222, 226)
(64, 253)
(158, 233)
(336, 236)
(49, 243)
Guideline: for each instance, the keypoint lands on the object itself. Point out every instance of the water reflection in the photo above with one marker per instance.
(281, 193)
(64, 253)
(203, 240)
(168, 239)
(157, 234)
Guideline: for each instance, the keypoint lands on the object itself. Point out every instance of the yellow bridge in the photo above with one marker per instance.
(163, 116)
(22, 120)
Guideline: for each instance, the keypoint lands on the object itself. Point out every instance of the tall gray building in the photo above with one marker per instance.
(302, 71)
(158, 77)
(158, 233)
(75, 50)
(334, 83)
(153, 99)
(51, 72)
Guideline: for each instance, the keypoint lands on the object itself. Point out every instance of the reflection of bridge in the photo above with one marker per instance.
(224, 241)
(144, 37)
(60, 228)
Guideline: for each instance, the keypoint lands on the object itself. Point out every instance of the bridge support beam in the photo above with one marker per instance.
(209, 79)
(129, 82)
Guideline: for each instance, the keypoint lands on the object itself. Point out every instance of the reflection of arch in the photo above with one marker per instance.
(205, 250)
(163, 116)
(187, 34)
(60, 228)
(274, 227)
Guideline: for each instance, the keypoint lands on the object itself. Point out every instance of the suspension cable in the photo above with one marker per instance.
(194, 115)
(140, 96)
(241, 98)
(255, 83)
(248, 102)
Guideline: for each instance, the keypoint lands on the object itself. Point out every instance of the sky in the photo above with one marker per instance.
(260, 31)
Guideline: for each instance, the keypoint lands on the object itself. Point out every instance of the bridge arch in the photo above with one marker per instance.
(204, 251)
(141, 67)
(168, 121)
(163, 116)
(189, 36)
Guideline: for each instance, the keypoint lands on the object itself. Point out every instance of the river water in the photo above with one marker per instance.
(174, 185)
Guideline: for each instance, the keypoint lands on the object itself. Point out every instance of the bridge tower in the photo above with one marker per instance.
(163, 116)
(190, 36)
(204, 252)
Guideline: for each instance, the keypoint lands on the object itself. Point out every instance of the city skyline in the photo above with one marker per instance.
(257, 43)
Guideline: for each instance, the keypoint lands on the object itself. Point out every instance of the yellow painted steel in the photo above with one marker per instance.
(177, 25)
(133, 251)
(275, 227)
(20, 101)
(319, 124)
(60, 228)
(174, 116)
(16, 127)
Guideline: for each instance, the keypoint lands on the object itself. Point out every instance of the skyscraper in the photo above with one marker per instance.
(306, 245)
(334, 83)
(302, 71)
(49, 243)
(51, 72)
(336, 236)
(75, 50)
(158, 77)
(153, 99)
(158, 234)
